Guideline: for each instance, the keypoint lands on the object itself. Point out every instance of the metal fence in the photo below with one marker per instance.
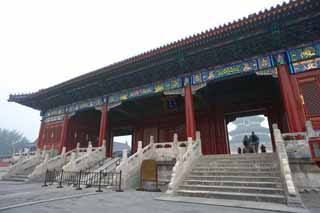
(84, 178)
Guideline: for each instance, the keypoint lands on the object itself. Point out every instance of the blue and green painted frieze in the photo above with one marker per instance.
(300, 59)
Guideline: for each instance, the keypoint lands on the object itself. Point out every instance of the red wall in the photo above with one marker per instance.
(311, 98)
(52, 135)
(83, 127)
(210, 122)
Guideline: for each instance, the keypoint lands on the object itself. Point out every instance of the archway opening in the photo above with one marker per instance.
(121, 140)
(249, 134)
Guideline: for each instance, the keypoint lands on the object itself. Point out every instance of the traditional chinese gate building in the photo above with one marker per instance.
(267, 63)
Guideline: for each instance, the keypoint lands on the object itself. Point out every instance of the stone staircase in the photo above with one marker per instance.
(164, 173)
(21, 176)
(253, 177)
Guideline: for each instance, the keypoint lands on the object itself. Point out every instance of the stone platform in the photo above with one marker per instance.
(31, 198)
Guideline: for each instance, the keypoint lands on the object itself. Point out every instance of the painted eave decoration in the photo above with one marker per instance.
(299, 59)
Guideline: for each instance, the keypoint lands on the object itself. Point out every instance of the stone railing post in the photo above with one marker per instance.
(20, 158)
(140, 151)
(198, 136)
(52, 152)
(89, 149)
(38, 152)
(44, 150)
(104, 147)
(77, 150)
(152, 143)
(189, 148)
(310, 130)
(63, 154)
(198, 140)
(124, 169)
(46, 158)
(124, 155)
(73, 160)
(175, 145)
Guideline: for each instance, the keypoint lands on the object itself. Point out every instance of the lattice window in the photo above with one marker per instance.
(311, 95)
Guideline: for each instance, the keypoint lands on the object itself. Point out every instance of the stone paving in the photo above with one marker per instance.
(108, 201)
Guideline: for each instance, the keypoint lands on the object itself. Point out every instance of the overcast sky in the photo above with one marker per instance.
(43, 43)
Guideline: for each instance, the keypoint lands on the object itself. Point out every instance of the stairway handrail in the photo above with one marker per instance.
(128, 166)
(292, 195)
(91, 156)
(185, 163)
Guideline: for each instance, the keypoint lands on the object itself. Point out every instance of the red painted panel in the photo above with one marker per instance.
(203, 124)
(40, 137)
(153, 131)
(83, 127)
(52, 135)
(307, 86)
(137, 136)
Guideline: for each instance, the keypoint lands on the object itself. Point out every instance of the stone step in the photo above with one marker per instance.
(163, 181)
(234, 178)
(237, 174)
(271, 158)
(234, 168)
(247, 155)
(244, 189)
(15, 178)
(234, 196)
(239, 161)
(21, 175)
(233, 183)
(237, 164)
(168, 177)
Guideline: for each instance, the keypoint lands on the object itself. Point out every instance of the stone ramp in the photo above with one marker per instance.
(21, 176)
(246, 177)
(164, 173)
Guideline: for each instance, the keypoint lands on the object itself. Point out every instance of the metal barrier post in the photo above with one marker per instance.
(52, 176)
(99, 189)
(45, 179)
(119, 189)
(60, 182)
(88, 177)
(79, 180)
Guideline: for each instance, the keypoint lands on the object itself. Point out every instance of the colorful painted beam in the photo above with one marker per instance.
(300, 59)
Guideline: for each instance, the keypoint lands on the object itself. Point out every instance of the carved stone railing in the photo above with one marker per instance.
(54, 163)
(130, 166)
(297, 143)
(292, 195)
(24, 163)
(164, 151)
(91, 157)
(167, 151)
(185, 163)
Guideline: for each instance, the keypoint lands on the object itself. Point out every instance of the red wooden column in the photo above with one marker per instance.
(103, 124)
(189, 111)
(64, 132)
(291, 104)
(40, 137)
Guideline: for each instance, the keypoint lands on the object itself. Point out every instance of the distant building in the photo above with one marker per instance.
(118, 146)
